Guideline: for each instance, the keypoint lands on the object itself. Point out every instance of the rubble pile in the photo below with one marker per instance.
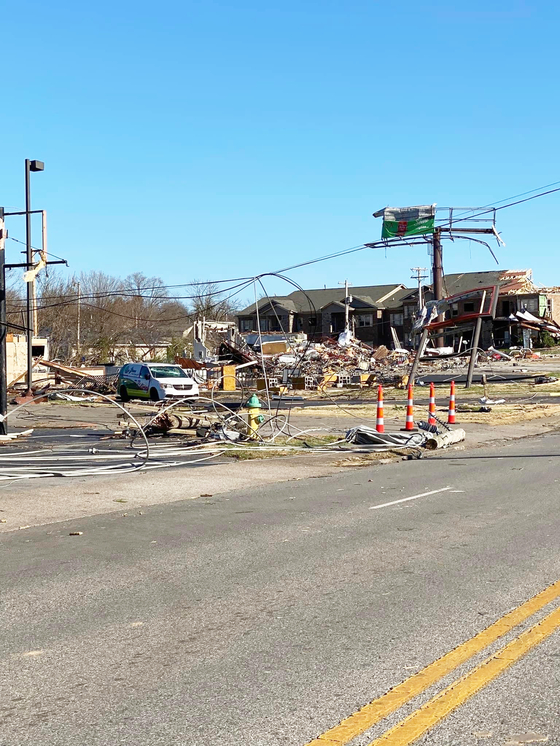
(340, 362)
(62, 377)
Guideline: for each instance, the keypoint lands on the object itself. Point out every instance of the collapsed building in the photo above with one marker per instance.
(319, 338)
(518, 296)
(385, 314)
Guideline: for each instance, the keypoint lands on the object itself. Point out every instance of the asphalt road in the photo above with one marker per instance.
(266, 617)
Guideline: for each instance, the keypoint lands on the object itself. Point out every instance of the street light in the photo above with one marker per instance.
(29, 166)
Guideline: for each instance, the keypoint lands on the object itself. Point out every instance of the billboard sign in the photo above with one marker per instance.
(399, 222)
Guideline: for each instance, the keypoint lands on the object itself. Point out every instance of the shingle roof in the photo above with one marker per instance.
(396, 300)
(463, 281)
(392, 296)
(311, 301)
(510, 281)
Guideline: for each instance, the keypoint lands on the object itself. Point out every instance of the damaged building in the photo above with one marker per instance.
(518, 296)
(385, 314)
(373, 309)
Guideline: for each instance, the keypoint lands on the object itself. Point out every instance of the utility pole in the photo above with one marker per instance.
(347, 301)
(419, 277)
(3, 330)
(29, 166)
(78, 323)
(437, 271)
(44, 259)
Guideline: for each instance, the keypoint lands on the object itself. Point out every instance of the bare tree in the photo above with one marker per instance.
(136, 312)
(211, 302)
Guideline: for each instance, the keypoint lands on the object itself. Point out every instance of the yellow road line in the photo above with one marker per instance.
(379, 708)
(415, 725)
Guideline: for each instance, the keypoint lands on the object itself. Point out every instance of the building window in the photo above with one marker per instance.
(246, 325)
(532, 305)
(396, 319)
(454, 309)
(549, 306)
(365, 319)
(468, 307)
(408, 311)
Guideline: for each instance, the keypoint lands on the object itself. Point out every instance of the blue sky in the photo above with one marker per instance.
(205, 140)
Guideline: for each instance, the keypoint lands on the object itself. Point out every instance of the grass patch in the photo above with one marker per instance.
(263, 450)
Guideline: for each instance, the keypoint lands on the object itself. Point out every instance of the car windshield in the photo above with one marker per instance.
(167, 371)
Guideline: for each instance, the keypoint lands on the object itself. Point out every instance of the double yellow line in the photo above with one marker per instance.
(428, 715)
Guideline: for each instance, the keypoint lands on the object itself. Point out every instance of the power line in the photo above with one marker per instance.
(34, 248)
(126, 293)
(246, 281)
(513, 196)
(503, 207)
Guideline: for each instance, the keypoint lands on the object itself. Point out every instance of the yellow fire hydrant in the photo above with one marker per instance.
(255, 418)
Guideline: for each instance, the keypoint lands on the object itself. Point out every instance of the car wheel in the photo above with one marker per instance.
(154, 396)
(124, 394)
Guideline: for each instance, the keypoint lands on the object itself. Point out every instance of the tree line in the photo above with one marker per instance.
(96, 318)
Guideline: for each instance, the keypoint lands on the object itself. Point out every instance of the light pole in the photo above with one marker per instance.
(29, 166)
(3, 329)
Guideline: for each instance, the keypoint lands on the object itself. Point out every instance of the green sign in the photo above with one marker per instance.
(408, 221)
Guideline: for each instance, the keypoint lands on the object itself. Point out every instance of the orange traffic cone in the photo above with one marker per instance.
(410, 410)
(380, 426)
(451, 414)
(432, 410)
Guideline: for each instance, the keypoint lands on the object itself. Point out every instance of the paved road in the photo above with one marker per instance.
(266, 617)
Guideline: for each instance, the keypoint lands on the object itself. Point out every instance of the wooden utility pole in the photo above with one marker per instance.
(437, 270)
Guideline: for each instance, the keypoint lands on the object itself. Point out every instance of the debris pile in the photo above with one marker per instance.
(332, 362)
(60, 377)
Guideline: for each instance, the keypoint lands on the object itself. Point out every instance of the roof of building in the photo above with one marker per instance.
(282, 301)
(510, 280)
(396, 300)
(392, 296)
(310, 301)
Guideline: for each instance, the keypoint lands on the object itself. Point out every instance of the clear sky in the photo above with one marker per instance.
(205, 140)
